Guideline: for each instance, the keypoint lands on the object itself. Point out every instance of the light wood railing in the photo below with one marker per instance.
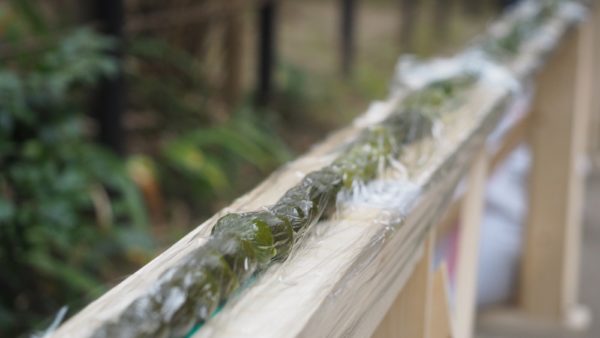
(359, 278)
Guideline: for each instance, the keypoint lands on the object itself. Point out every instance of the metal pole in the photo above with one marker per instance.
(266, 51)
(442, 16)
(233, 59)
(407, 24)
(348, 11)
(109, 101)
(472, 7)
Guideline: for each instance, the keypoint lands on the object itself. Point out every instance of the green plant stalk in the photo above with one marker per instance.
(242, 244)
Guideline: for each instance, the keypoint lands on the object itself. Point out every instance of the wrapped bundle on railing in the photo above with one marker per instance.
(241, 245)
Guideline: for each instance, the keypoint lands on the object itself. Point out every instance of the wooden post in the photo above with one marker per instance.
(347, 35)
(441, 325)
(594, 140)
(585, 99)
(550, 269)
(109, 100)
(465, 288)
(266, 51)
(409, 315)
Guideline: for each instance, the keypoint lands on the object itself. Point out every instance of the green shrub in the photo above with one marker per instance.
(202, 153)
(70, 219)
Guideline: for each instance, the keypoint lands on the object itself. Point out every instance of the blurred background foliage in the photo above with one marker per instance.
(70, 217)
(75, 218)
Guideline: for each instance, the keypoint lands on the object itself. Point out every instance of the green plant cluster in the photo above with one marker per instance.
(70, 218)
(207, 161)
(196, 154)
(243, 244)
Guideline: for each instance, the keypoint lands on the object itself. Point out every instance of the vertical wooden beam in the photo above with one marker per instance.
(441, 325)
(409, 315)
(584, 97)
(109, 101)
(466, 275)
(347, 35)
(267, 17)
(594, 139)
(549, 278)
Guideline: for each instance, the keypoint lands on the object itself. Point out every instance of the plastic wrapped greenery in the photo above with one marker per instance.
(510, 43)
(242, 244)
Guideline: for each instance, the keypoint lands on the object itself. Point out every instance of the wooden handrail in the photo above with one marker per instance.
(343, 279)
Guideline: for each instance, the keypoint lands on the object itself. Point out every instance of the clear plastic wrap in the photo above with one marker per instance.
(375, 195)
(242, 244)
(372, 239)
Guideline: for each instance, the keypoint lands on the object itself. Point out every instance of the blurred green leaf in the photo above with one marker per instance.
(7, 210)
(56, 186)
(71, 276)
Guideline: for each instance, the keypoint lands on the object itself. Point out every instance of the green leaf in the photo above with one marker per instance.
(72, 276)
(7, 210)
(187, 157)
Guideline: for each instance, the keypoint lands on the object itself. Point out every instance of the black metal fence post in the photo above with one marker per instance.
(408, 12)
(473, 7)
(109, 100)
(267, 16)
(442, 16)
(232, 63)
(347, 22)
(502, 4)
